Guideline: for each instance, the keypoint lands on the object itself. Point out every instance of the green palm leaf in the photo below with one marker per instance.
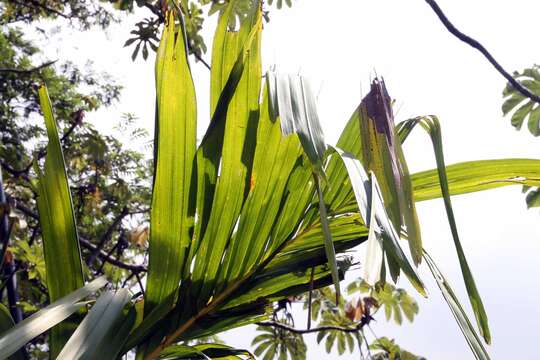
(237, 150)
(60, 241)
(95, 331)
(39, 322)
(292, 98)
(473, 176)
(6, 322)
(172, 215)
(472, 338)
(381, 153)
(432, 126)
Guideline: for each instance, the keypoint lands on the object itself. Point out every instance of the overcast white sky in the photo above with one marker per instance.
(340, 45)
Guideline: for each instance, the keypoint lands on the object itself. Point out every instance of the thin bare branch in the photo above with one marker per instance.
(111, 259)
(307, 331)
(35, 4)
(107, 235)
(478, 46)
(27, 71)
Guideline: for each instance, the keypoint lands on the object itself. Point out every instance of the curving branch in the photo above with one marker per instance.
(111, 259)
(478, 46)
(27, 71)
(307, 331)
(35, 4)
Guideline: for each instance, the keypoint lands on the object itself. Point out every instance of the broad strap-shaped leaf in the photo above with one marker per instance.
(269, 283)
(210, 150)
(149, 325)
(39, 322)
(274, 159)
(432, 126)
(116, 337)
(172, 214)
(94, 332)
(381, 153)
(465, 325)
(6, 323)
(292, 98)
(362, 189)
(60, 239)
(472, 176)
(204, 351)
(237, 150)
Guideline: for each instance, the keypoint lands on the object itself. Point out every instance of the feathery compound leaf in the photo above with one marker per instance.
(381, 153)
(291, 97)
(172, 214)
(457, 310)
(60, 240)
(34, 325)
(432, 126)
(94, 332)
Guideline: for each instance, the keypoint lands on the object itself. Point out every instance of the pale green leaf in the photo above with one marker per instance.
(37, 323)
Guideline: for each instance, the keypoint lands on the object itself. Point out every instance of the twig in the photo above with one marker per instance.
(37, 4)
(12, 294)
(27, 71)
(307, 331)
(111, 259)
(4, 226)
(140, 283)
(155, 10)
(310, 297)
(199, 57)
(14, 172)
(478, 46)
(23, 173)
(107, 235)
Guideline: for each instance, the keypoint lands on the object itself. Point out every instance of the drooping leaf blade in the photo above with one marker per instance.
(292, 98)
(39, 322)
(203, 351)
(90, 337)
(432, 126)
(6, 323)
(390, 239)
(465, 325)
(381, 153)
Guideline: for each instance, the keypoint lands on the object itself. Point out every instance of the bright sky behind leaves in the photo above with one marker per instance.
(340, 46)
